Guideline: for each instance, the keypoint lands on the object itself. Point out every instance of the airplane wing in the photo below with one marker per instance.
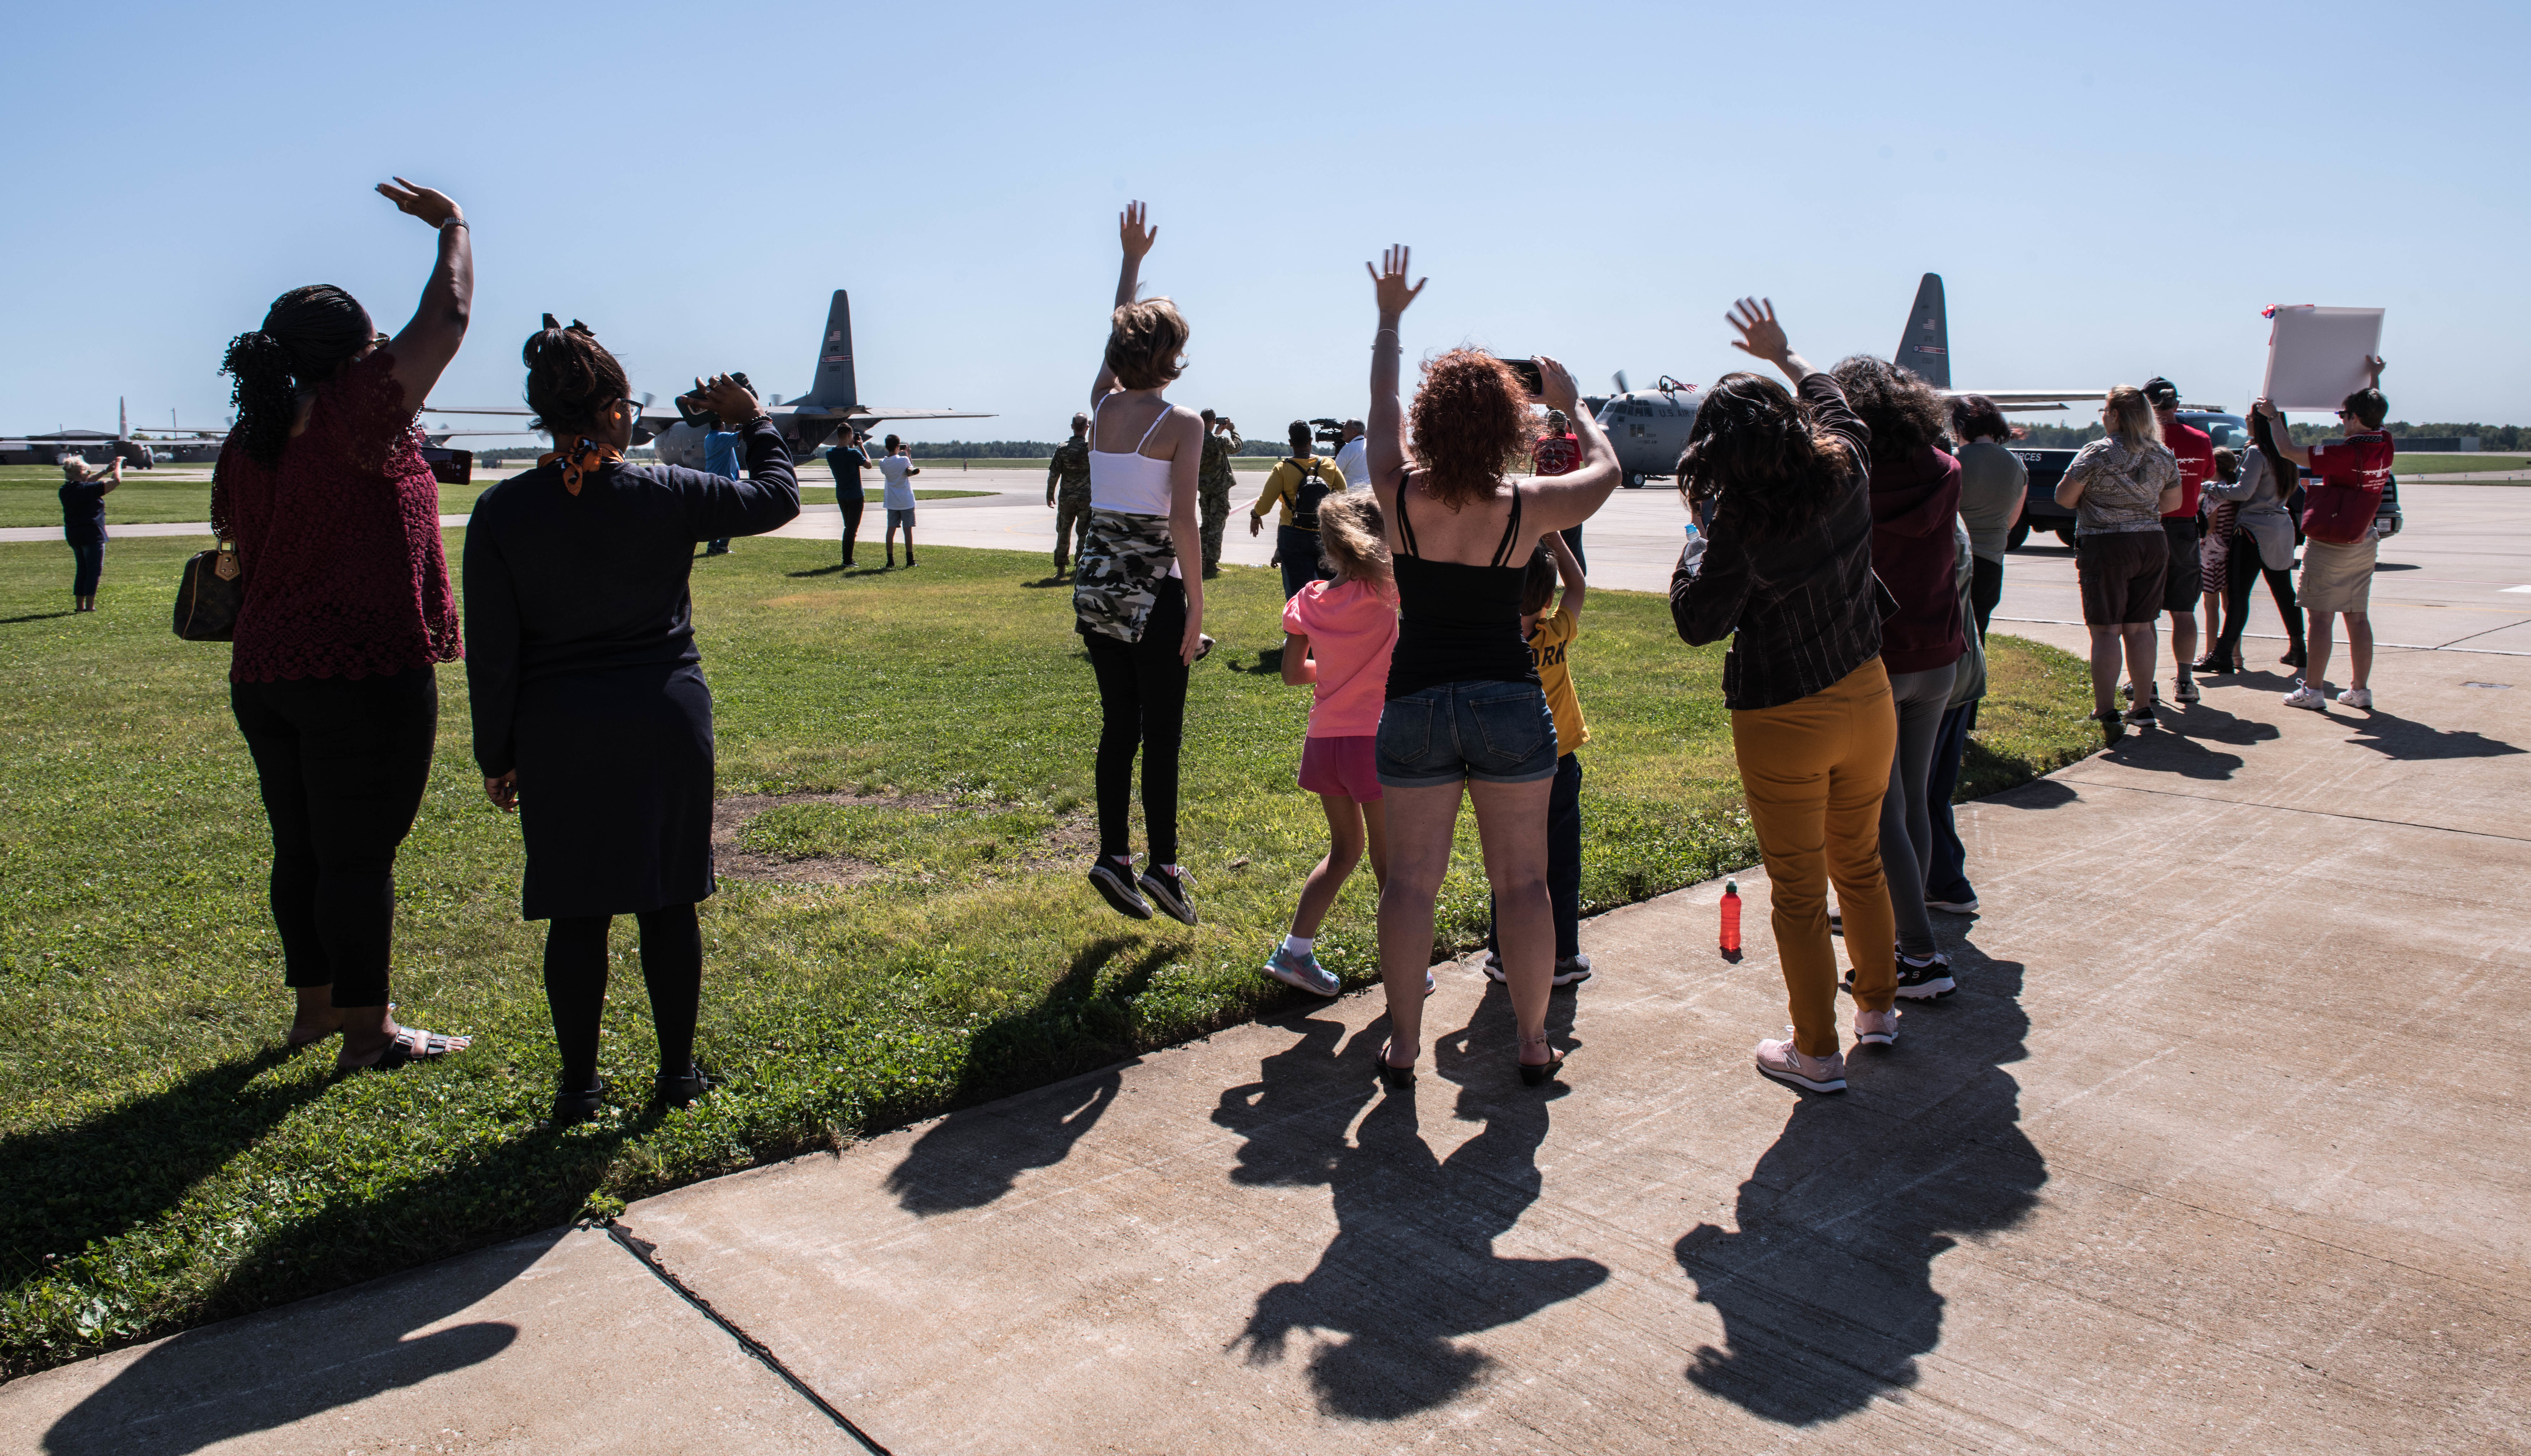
(2020, 401)
(520, 411)
(881, 412)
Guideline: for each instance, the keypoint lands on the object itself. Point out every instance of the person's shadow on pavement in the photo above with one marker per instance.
(1826, 1288)
(209, 1386)
(1412, 1268)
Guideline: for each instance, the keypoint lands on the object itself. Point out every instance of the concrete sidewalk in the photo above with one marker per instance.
(2221, 1146)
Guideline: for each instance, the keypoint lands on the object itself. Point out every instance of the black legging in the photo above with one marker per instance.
(1986, 589)
(2241, 567)
(342, 762)
(848, 500)
(672, 966)
(1141, 704)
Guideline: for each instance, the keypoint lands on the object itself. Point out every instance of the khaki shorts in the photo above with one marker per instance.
(2337, 578)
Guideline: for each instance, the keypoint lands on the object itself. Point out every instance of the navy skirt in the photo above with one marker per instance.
(615, 791)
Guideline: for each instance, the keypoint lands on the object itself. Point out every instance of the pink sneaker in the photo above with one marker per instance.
(1785, 1063)
(1876, 1027)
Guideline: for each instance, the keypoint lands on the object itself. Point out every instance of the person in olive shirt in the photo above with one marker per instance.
(1067, 493)
(848, 460)
(1212, 482)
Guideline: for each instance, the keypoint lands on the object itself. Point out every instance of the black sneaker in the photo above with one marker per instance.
(680, 1091)
(1925, 980)
(1168, 890)
(1115, 882)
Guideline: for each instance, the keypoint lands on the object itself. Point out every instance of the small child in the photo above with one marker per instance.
(897, 499)
(1551, 637)
(1338, 637)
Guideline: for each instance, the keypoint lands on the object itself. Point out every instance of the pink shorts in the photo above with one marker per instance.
(1349, 767)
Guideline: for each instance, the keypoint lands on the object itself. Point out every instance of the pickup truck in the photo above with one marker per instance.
(2040, 511)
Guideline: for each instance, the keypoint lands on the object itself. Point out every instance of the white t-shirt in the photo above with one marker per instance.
(1353, 458)
(899, 495)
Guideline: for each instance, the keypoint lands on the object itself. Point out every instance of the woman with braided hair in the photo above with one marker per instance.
(592, 718)
(335, 517)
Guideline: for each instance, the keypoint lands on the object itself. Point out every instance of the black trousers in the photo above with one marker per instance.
(88, 563)
(672, 968)
(1563, 862)
(850, 500)
(1573, 542)
(1141, 705)
(2241, 567)
(342, 762)
(1986, 589)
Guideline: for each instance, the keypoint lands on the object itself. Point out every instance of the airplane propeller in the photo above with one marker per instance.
(1619, 379)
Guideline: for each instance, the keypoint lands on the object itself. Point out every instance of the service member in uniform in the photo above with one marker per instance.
(1067, 493)
(1212, 484)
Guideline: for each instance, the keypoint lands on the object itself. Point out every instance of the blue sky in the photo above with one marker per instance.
(2108, 193)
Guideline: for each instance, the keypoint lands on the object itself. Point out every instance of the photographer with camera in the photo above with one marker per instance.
(1212, 482)
(591, 718)
(848, 460)
(721, 451)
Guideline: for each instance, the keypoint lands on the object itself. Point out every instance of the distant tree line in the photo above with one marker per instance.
(977, 449)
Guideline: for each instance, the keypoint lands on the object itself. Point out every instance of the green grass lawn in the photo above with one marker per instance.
(163, 1164)
(2437, 465)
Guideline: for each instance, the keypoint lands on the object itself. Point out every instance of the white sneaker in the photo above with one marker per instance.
(1785, 1063)
(1955, 907)
(2306, 696)
(1876, 1027)
(2355, 697)
(2186, 690)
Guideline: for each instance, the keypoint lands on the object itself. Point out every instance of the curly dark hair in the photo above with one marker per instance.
(1469, 422)
(571, 377)
(1754, 453)
(308, 335)
(1974, 416)
(1903, 412)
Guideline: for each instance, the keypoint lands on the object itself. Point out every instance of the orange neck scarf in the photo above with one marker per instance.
(579, 461)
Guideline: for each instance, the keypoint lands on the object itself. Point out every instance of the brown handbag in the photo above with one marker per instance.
(208, 597)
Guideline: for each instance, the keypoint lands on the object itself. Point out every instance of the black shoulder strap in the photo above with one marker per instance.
(1511, 531)
(1405, 526)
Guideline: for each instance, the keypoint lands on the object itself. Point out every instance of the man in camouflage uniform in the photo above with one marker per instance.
(1212, 487)
(1067, 493)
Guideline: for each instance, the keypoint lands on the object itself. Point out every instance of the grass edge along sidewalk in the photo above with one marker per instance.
(902, 928)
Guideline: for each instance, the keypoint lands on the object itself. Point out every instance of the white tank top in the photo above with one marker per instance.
(1130, 481)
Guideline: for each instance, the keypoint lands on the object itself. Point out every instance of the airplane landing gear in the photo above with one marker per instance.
(1634, 481)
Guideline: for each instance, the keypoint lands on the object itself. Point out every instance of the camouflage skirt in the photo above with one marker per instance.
(1118, 576)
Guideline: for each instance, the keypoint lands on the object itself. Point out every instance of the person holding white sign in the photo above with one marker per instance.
(2339, 543)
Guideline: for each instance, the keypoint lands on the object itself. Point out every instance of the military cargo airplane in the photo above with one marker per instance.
(806, 423)
(134, 447)
(1649, 427)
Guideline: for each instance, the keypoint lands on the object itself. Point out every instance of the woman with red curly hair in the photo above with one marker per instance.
(1464, 710)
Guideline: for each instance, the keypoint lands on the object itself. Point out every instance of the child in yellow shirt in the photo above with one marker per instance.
(1550, 641)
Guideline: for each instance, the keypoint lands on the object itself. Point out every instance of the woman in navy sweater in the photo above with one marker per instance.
(590, 712)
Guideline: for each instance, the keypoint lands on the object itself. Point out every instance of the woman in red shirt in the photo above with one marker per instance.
(347, 608)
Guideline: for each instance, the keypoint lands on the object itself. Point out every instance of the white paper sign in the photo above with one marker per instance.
(2315, 356)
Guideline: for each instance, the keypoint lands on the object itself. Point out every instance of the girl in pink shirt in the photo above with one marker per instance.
(1337, 636)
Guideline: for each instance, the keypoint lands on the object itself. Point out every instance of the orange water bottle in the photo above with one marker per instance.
(1730, 917)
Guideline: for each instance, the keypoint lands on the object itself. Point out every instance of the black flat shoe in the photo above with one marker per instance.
(680, 1091)
(578, 1106)
(1395, 1079)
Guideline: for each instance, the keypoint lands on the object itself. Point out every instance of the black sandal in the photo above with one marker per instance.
(1544, 1072)
(1395, 1079)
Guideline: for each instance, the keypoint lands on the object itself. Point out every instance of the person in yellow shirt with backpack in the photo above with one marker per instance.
(1299, 482)
(1550, 639)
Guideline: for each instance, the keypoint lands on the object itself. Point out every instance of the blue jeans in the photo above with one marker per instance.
(88, 563)
(1500, 732)
(1946, 875)
(1298, 550)
(1563, 860)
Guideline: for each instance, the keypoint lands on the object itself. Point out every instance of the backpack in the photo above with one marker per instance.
(1310, 493)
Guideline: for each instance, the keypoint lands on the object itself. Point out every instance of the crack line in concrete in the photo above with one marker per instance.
(647, 1253)
(2324, 814)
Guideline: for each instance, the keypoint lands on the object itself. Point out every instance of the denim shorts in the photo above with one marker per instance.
(1501, 733)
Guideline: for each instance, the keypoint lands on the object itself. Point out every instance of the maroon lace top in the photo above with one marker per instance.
(345, 577)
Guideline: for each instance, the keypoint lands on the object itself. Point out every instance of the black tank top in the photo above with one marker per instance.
(1457, 623)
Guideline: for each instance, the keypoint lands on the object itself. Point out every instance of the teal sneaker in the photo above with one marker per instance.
(1302, 971)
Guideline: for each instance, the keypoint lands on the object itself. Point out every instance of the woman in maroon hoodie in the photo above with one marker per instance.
(1915, 498)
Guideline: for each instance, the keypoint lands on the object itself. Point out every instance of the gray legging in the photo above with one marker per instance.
(1906, 822)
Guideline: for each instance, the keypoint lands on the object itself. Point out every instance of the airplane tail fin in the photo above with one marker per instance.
(1925, 346)
(832, 384)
